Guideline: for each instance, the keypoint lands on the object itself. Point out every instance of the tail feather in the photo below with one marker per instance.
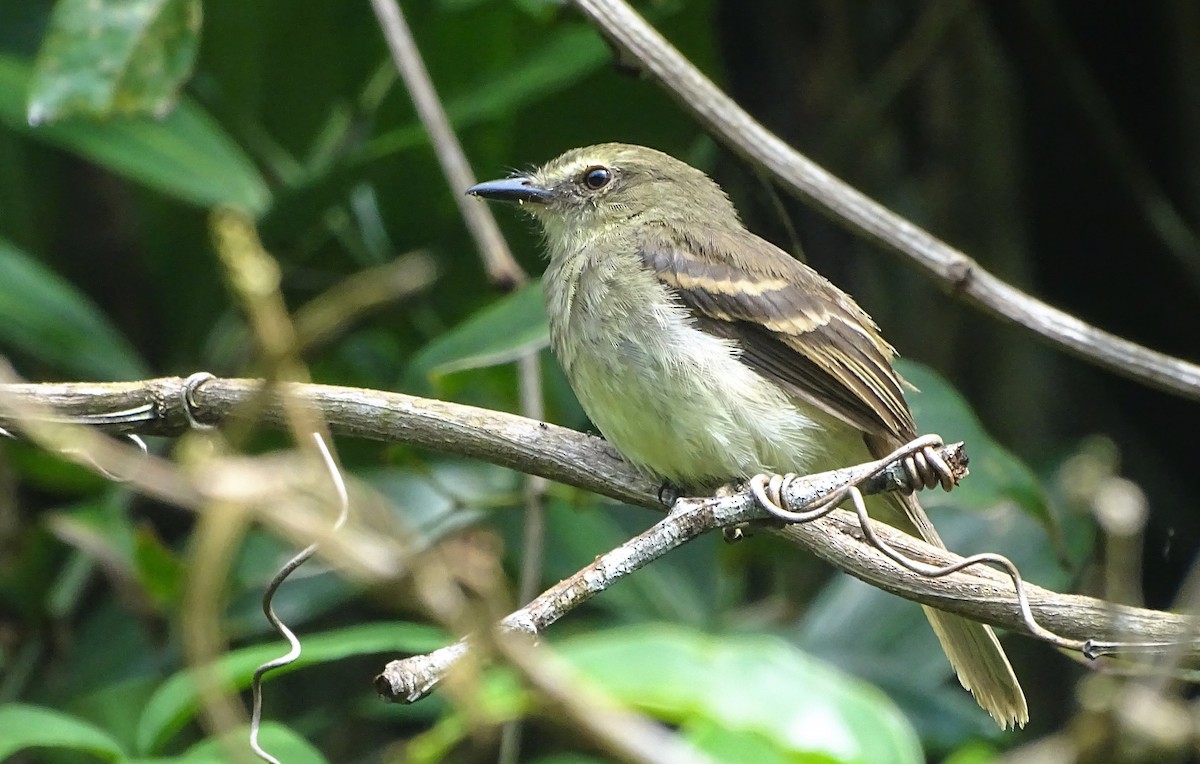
(972, 648)
(982, 666)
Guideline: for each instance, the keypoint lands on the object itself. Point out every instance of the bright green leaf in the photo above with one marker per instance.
(46, 318)
(275, 739)
(176, 701)
(103, 58)
(23, 727)
(500, 333)
(749, 685)
(744, 746)
(185, 155)
(159, 569)
(973, 753)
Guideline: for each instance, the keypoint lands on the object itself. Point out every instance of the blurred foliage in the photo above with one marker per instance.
(123, 123)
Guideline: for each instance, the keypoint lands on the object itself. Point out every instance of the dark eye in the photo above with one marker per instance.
(596, 178)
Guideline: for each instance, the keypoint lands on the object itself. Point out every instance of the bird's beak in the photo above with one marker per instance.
(518, 189)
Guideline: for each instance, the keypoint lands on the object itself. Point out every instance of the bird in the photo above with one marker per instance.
(707, 355)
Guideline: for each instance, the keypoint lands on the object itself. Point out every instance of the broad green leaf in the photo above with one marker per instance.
(500, 333)
(276, 739)
(176, 700)
(751, 686)
(996, 475)
(734, 746)
(116, 704)
(103, 58)
(973, 753)
(185, 155)
(46, 318)
(23, 727)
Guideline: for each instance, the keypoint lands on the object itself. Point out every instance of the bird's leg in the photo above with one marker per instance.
(740, 531)
(668, 494)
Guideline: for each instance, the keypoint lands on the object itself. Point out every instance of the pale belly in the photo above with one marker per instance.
(678, 403)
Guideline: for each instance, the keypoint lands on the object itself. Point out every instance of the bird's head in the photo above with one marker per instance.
(593, 188)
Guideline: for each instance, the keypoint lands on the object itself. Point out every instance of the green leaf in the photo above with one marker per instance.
(176, 700)
(46, 318)
(754, 687)
(973, 753)
(23, 726)
(727, 745)
(996, 475)
(498, 334)
(185, 155)
(159, 569)
(275, 739)
(103, 58)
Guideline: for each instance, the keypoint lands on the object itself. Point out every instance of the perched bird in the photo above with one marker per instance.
(706, 354)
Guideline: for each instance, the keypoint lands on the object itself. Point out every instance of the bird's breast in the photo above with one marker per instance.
(671, 398)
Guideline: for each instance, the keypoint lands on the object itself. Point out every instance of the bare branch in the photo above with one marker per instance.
(962, 276)
(501, 267)
(410, 679)
(570, 457)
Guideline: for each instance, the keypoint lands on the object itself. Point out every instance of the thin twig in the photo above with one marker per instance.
(809, 499)
(501, 267)
(964, 277)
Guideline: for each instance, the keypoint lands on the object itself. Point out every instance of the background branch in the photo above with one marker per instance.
(845, 205)
(497, 259)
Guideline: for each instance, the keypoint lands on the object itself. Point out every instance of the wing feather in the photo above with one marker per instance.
(793, 326)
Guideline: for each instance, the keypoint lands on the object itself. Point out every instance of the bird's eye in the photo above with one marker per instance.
(597, 177)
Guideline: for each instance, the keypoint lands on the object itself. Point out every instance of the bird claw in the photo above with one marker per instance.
(668, 494)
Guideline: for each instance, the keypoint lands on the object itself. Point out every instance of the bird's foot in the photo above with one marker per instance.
(669, 494)
(741, 531)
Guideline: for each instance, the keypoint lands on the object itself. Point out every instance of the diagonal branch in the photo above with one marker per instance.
(498, 260)
(845, 205)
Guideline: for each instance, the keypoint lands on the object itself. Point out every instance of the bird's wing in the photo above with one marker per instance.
(793, 326)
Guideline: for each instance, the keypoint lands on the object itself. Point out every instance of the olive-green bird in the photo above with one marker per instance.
(706, 354)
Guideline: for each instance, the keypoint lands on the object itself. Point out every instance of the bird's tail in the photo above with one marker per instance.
(972, 648)
(982, 666)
